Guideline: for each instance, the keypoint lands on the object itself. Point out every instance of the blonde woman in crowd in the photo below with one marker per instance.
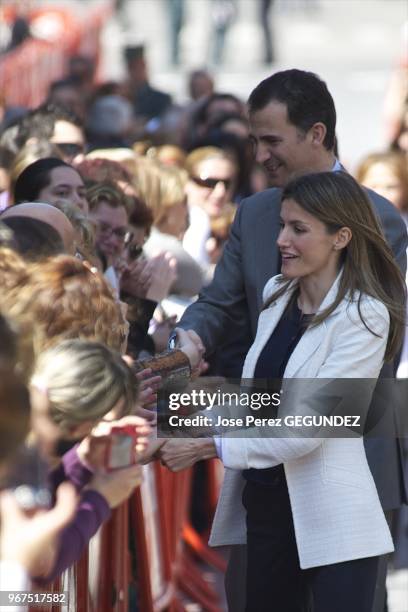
(85, 382)
(170, 221)
(387, 174)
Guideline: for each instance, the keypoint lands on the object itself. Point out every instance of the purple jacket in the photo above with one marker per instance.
(93, 510)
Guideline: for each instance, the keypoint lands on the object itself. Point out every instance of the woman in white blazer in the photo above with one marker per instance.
(307, 507)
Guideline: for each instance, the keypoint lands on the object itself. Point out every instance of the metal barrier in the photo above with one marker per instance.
(147, 552)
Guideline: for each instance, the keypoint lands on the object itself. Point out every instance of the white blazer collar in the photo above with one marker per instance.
(307, 345)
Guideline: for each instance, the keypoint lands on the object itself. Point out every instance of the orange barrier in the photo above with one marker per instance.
(153, 531)
(27, 71)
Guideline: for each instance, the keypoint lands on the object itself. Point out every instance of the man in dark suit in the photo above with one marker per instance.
(293, 120)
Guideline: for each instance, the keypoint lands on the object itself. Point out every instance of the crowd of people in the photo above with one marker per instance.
(116, 206)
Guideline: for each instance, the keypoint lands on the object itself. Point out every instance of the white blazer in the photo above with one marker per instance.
(336, 510)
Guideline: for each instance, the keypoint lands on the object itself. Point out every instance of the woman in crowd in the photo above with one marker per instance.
(387, 174)
(49, 180)
(310, 512)
(170, 221)
(58, 299)
(85, 382)
(23, 538)
(212, 175)
(30, 153)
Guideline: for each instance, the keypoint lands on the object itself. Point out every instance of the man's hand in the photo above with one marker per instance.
(162, 333)
(183, 453)
(191, 344)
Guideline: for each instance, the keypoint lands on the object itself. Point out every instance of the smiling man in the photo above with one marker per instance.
(293, 120)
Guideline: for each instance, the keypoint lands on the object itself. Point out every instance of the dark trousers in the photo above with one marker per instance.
(276, 583)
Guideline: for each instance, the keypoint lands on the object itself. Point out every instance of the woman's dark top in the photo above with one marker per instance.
(270, 368)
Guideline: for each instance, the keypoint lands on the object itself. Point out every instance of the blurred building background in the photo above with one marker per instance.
(353, 44)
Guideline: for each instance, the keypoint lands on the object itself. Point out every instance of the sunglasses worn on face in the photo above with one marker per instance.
(70, 149)
(210, 183)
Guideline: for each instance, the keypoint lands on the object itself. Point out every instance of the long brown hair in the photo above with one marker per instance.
(337, 200)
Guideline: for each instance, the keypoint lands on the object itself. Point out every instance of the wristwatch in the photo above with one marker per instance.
(172, 343)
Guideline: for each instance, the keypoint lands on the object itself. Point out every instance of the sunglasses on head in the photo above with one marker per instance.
(70, 149)
(210, 183)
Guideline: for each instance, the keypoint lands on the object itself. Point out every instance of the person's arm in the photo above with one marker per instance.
(27, 542)
(93, 510)
(355, 353)
(105, 491)
(71, 468)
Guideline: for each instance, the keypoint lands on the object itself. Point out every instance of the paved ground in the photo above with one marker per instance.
(397, 586)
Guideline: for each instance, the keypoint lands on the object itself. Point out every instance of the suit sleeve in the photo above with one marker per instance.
(224, 300)
(394, 228)
(357, 354)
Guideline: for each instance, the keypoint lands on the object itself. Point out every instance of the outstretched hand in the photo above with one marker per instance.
(180, 454)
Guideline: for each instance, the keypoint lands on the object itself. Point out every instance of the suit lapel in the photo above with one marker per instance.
(314, 336)
(307, 345)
